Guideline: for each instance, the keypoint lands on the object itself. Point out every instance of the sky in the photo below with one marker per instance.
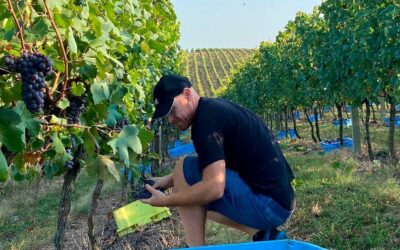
(235, 23)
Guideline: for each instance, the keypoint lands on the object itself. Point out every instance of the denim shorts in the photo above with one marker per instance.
(239, 203)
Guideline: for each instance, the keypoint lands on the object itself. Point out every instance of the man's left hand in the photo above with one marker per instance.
(157, 199)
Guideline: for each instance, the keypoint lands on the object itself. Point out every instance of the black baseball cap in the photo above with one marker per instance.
(164, 92)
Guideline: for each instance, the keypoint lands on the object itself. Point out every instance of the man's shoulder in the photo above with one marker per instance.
(216, 104)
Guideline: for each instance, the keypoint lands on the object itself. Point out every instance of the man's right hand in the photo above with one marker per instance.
(163, 182)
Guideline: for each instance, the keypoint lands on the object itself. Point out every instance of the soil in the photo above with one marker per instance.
(165, 234)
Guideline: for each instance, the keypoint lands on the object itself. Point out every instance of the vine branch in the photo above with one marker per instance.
(64, 53)
(20, 34)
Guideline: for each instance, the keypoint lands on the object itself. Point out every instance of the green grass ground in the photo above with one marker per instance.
(342, 203)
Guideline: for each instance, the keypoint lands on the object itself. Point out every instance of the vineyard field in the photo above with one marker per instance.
(207, 69)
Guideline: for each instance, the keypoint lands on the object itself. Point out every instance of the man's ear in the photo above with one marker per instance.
(187, 93)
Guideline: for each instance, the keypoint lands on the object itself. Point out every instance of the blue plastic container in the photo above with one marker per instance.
(264, 245)
(182, 150)
(292, 134)
(130, 173)
(296, 115)
(326, 109)
(281, 135)
(329, 147)
(174, 144)
(312, 118)
(346, 123)
(335, 144)
(347, 142)
(396, 121)
(145, 169)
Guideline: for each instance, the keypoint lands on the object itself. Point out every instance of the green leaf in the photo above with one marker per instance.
(113, 115)
(88, 71)
(118, 95)
(63, 104)
(146, 137)
(71, 41)
(127, 139)
(10, 93)
(59, 65)
(78, 89)
(3, 167)
(97, 167)
(10, 133)
(16, 175)
(27, 121)
(107, 162)
(61, 155)
(89, 142)
(100, 92)
(38, 30)
(62, 20)
(53, 4)
(19, 163)
(52, 169)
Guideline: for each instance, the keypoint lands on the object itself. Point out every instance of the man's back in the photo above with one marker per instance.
(224, 130)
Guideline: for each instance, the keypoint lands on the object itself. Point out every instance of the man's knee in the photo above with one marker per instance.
(178, 175)
(178, 170)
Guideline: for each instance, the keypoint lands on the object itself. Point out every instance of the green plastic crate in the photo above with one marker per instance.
(130, 217)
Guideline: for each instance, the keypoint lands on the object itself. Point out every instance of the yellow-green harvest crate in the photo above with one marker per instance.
(130, 217)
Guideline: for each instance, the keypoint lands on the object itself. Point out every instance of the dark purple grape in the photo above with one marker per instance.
(142, 194)
(76, 107)
(70, 163)
(33, 69)
(121, 123)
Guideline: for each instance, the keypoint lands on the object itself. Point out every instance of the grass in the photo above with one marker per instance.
(340, 207)
(26, 222)
(342, 203)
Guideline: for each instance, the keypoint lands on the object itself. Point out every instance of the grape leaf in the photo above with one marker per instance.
(99, 91)
(10, 133)
(96, 167)
(3, 167)
(127, 139)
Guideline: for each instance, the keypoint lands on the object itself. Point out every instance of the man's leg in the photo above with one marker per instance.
(193, 217)
(219, 218)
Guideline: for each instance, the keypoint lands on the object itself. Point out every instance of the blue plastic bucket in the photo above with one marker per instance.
(296, 115)
(281, 135)
(312, 118)
(331, 145)
(346, 123)
(292, 134)
(396, 121)
(182, 150)
(264, 245)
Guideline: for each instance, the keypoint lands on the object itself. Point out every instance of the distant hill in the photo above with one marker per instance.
(206, 68)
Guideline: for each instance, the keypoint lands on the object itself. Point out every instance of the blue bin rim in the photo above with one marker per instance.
(288, 244)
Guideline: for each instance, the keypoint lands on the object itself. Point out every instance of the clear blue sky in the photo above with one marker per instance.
(235, 23)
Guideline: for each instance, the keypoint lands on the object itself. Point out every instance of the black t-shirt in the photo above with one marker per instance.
(222, 130)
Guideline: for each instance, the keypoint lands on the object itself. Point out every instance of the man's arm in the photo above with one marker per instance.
(210, 188)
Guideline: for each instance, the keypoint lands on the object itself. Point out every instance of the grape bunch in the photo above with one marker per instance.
(70, 163)
(121, 123)
(142, 193)
(76, 107)
(34, 68)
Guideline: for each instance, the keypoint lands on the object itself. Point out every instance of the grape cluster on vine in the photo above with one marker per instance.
(70, 163)
(34, 68)
(121, 123)
(76, 107)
